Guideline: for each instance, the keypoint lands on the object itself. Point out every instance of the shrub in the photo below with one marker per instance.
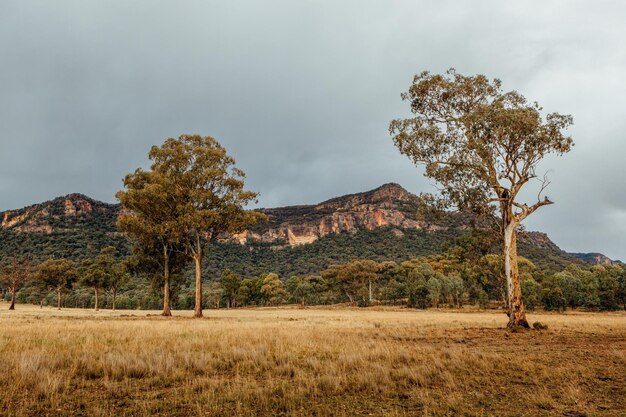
(553, 299)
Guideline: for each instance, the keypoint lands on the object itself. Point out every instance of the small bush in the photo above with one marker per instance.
(539, 326)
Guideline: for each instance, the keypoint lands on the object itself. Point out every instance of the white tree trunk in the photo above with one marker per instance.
(517, 313)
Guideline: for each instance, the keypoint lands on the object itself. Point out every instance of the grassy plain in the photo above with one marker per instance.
(309, 362)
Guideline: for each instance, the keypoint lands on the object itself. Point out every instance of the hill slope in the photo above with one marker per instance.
(74, 226)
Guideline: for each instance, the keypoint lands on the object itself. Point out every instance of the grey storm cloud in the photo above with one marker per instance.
(301, 93)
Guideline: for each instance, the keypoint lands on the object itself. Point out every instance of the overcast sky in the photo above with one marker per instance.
(301, 93)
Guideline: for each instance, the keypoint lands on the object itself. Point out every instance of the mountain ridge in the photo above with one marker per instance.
(76, 218)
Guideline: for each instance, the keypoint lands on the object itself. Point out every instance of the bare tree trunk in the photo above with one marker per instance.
(517, 313)
(369, 281)
(58, 299)
(197, 257)
(12, 306)
(349, 297)
(97, 291)
(114, 296)
(166, 285)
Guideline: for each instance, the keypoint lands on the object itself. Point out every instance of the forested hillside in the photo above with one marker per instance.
(387, 223)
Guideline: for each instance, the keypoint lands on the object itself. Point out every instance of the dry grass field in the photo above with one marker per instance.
(309, 362)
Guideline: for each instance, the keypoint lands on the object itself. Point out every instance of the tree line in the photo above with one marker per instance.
(441, 281)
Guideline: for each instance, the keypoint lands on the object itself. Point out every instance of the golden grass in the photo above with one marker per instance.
(312, 362)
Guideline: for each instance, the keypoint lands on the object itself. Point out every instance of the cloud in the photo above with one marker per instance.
(301, 93)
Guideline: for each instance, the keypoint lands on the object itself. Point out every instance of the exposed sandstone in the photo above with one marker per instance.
(40, 218)
(77, 206)
(12, 218)
(301, 225)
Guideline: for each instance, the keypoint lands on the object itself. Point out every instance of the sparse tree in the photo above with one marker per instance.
(273, 289)
(531, 290)
(354, 279)
(482, 146)
(250, 291)
(434, 289)
(102, 272)
(231, 283)
(305, 288)
(57, 275)
(118, 273)
(13, 275)
(553, 299)
(93, 274)
(215, 294)
(621, 293)
(209, 194)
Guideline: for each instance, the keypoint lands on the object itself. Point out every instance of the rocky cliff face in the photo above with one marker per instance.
(76, 224)
(57, 215)
(595, 258)
(387, 206)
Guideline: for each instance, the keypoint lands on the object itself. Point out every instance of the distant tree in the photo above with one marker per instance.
(393, 290)
(531, 291)
(250, 291)
(490, 271)
(433, 285)
(209, 194)
(553, 299)
(231, 283)
(608, 287)
(214, 294)
(58, 275)
(305, 289)
(456, 289)
(273, 289)
(482, 146)
(118, 274)
(621, 294)
(572, 287)
(102, 272)
(92, 274)
(13, 275)
(415, 274)
(419, 296)
(354, 279)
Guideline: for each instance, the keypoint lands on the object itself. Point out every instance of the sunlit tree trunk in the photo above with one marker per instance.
(166, 285)
(58, 299)
(114, 296)
(97, 291)
(197, 257)
(517, 313)
(12, 306)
